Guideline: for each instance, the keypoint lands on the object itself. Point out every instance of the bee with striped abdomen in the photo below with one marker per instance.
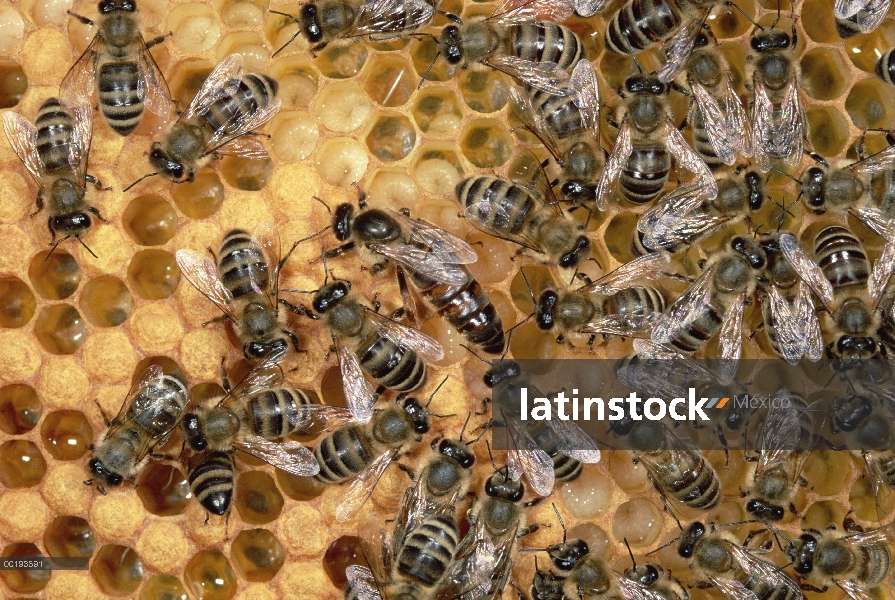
(118, 64)
(212, 477)
(54, 151)
(243, 281)
(859, 16)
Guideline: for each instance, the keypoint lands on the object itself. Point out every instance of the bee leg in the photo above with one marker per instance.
(294, 341)
(338, 251)
(225, 381)
(40, 205)
(703, 585)
(95, 211)
(751, 535)
(299, 310)
(83, 20)
(485, 403)
(96, 183)
(407, 470)
(792, 509)
(221, 319)
(102, 412)
(158, 40)
(318, 48)
(560, 339)
(723, 441)
(679, 88)
(813, 588)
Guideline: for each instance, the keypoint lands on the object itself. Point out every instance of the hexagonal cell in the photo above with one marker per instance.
(391, 137)
(60, 329)
(827, 130)
(209, 575)
(20, 408)
(284, 32)
(250, 45)
(529, 342)
(246, 174)
(21, 464)
(485, 143)
(484, 91)
(56, 277)
(117, 570)
(299, 487)
(12, 29)
(186, 77)
(257, 498)
(13, 83)
(163, 489)
(153, 274)
(390, 80)
(342, 62)
(539, 278)
(870, 105)
(342, 106)
(825, 75)
(24, 581)
(298, 79)
(341, 554)
(66, 434)
(818, 21)
(17, 303)
(149, 220)
(200, 198)
(293, 135)
(331, 389)
(342, 161)
(423, 55)
(195, 27)
(438, 168)
(437, 112)
(241, 14)
(163, 587)
(70, 537)
(106, 301)
(257, 554)
(865, 50)
(727, 22)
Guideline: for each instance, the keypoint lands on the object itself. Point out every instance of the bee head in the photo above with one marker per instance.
(500, 485)
(259, 350)
(449, 44)
(457, 450)
(579, 252)
(751, 250)
(419, 414)
(644, 574)
(544, 316)
(166, 167)
(567, 554)
(108, 6)
(191, 434)
(508, 369)
(801, 552)
(812, 188)
(645, 84)
(104, 476)
(309, 23)
(73, 225)
(850, 411)
(342, 219)
(765, 40)
(764, 512)
(330, 295)
(689, 536)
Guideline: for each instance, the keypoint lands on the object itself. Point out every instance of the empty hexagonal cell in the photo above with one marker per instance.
(21, 464)
(342, 106)
(163, 587)
(247, 43)
(24, 581)
(199, 198)
(246, 174)
(241, 13)
(163, 489)
(150, 220)
(56, 277)
(106, 301)
(117, 570)
(153, 274)
(870, 104)
(257, 498)
(438, 168)
(60, 329)
(818, 21)
(484, 91)
(13, 83)
(827, 130)
(66, 434)
(437, 111)
(70, 537)
(529, 342)
(12, 29)
(391, 137)
(390, 80)
(298, 79)
(257, 554)
(486, 143)
(824, 74)
(209, 575)
(186, 77)
(17, 303)
(20, 408)
(539, 278)
(728, 22)
(195, 27)
(342, 62)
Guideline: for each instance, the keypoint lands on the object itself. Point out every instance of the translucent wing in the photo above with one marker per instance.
(765, 572)
(880, 535)
(762, 122)
(679, 47)
(792, 126)
(613, 168)
(736, 119)
(659, 369)
(359, 394)
(424, 345)
(362, 486)
(287, 455)
(362, 582)
(685, 310)
(545, 76)
(808, 270)
(243, 123)
(854, 590)
(202, 272)
(732, 589)
(152, 376)
(884, 266)
(221, 81)
(881, 493)
(727, 127)
(884, 160)
(633, 590)
(807, 325)
(488, 209)
(22, 136)
(523, 11)
(777, 133)
(648, 266)
(481, 567)
(267, 238)
(731, 338)
(624, 326)
(575, 442)
(266, 374)
(785, 321)
(677, 218)
(688, 158)
(588, 8)
(391, 18)
(79, 84)
(526, 458)
(587, 96)
(422, 261)
(445, 245)
(81, 135)
(868, 14)
(153, 87)
(780, 435)
(668, 471)
(244, 147)
(535, 122)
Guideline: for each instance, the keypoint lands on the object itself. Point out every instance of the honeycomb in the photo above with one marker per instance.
(76, 328)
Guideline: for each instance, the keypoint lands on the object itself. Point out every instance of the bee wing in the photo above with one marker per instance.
(677, 218)
(80, 140)
(807, 269)
(732, 589)
(762, 114)
(221, 81)
(624, 326)
(363, 583)
(884, 160)
(479, 213)
(422, 261)
(515, 11)
(588, 8)
(807, 325)
(79, 84)
(765, 572)
(362, 486)
(648, 266)
(575, 442)
(331, 417)
(526, 458)
(151, 376)
(587, 96)
(426, 346)
(480, 569)
(265, 375)
(785, 321)
(854, 590)
(287, 455)
(737, 121)
(545, 76)
(267, 238)
(685, 310)
(880, 535)
(688, 158)
(245, 147)
(732, 329)
(447, 246)
(391, 18)
(845, 9)
(792, 125)
(884, 266)
(22, 136)
(780, 436)
(679, 47)
(783, 134)
(882, 495)
(614, 165)
(202, 272)
(536, 124)
(359, 394)
(151, 83)
(224, 140)
(723, 137)
(633, 590)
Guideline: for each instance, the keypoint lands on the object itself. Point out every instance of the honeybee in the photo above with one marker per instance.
(229, 105)
(885, 66)
(54, 151)
(641, 24)
(431, 258)
(854, 562)
(516, 41)
(520, 214)
(328, 21)
(118, 64)
(243, 281)
(611, 305)
(859, 16)
(779, 125)
(151, 410)
(212, 476)
(690, 213)
(647, 139)
(732, 569)
(569, 128)
(655, 579)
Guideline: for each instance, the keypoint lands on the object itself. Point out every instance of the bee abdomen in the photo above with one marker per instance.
(645, 173)
(54, 125)
(640, 24)
(885, 67)
(429, 550)
(565, 468)
(119, 95)
(841, 257)
(343, 454)
(247, 95)
(171, 396)
(637, 304)
(211, 481)
(882, 191)
(691, 337)
(698, 486)
(702, 143)
(394, 367)
(541, 42)
(275, 413)
(242, 265)
(875, 564)
(560, 113)
(501, 203)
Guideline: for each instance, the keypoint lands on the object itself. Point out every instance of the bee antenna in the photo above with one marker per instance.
(663, 546)
(742, 12)
(432, 395)
(528, 285)
(491, 456)
(325, 205)
(631, 554)
(295, 35)
(85, 246)
(139, 180)
(313, 235)
(777, 20)
(484, 431)
(473, 352)
(777, 533)
(88, 481)
(325, 272)
(428, 70)
(465, 423)
(737, 523)
(631, 52)
(561, 524)
(785, 174)
(55, 246)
